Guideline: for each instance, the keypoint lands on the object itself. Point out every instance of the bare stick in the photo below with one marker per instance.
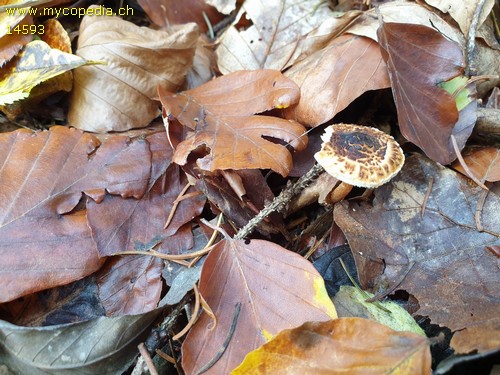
(471, 37)
(280, 202)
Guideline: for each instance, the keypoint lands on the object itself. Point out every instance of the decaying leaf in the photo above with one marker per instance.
(255, 291)
(281, 32)
(221, 115)
(418, 59)
(331, 78)
(102, 345)
(118, 95)
(340, 346)
(42, 177)
(484, 163)
(351, 302)
(422, 235)
(36, 63)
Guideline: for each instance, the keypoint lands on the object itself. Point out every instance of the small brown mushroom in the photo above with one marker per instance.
(358, 156)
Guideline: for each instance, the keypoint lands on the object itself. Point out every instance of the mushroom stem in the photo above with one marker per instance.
(280, 202)
(339, 193)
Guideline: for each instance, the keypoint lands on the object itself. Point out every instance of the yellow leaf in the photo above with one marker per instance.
(35, 64)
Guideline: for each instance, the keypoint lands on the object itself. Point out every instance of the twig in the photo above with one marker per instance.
(147, 359)
(479, 210)
(176, 203)
(226, 342)
(426, 197)
(471, 37)
(280, 202)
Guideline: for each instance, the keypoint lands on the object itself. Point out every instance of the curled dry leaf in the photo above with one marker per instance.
(418, 59)
(118, 95)
(11, 44)
(331, 78)
(43, 243)
(221, 116)
(405, 241)
(340, 346)
(281, 33)
(258, 289)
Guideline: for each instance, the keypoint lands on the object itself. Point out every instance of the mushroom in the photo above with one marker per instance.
(358, 156)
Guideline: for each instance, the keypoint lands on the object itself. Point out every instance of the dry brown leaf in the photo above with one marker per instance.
(481, 339)
(175, 12)
(402, 12)
(221, 115)
(43, 243)
(282, 32)
(340, 346)
(334, 76)
(484, 163)
(430, 247)
(262, 288)
(118, 95)
(463, 11)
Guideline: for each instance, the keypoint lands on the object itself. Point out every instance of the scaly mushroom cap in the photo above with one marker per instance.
(359, 155)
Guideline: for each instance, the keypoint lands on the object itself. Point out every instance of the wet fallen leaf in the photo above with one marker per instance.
(418, 59)
(344, 345)
(281, 33)
(36, 63)
(484, 163)
(351, 302)
(430, 248)
(118, 95)
(221, 115)
(331, 78)
(258, 288)
(102, 345)
(42, 179)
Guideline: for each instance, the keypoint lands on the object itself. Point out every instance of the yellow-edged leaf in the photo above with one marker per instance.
(36, 63)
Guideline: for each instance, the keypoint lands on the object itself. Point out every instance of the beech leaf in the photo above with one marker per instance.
(484, 163)
(282, 32)
(405, 241)
(260, 286)
(43, 243)
(221, 115)
(118, 95)
(340, 346)
(418, 59)
(331, 78)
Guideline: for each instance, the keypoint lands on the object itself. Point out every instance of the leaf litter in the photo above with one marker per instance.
(429, 233)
